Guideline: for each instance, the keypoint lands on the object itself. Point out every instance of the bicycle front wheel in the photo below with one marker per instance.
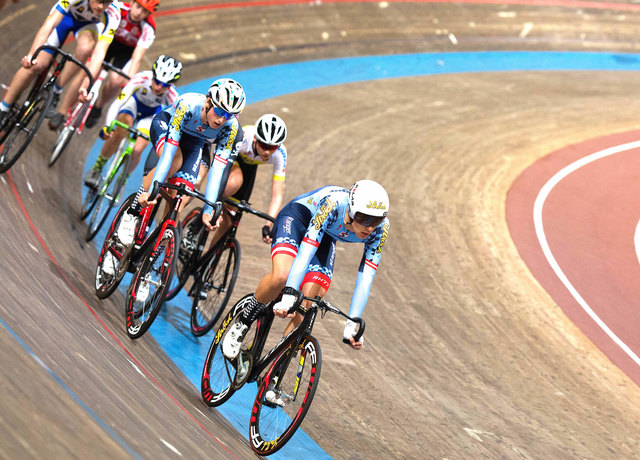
(214, 287)
(294, 380)
(149, 285)
(220, 375)
(64, 138)
(113, 252)
(108, 195)
(25, 128)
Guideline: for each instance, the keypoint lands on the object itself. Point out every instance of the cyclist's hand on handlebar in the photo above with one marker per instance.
(266, 234)
(27, 63)
(206, 220)
(349, 332)
(83, 96)
(282, 308)
(105, 133)
(143, 200)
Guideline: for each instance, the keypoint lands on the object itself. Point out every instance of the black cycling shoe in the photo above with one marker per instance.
(93, 117)
(56, 121)
(53, 108)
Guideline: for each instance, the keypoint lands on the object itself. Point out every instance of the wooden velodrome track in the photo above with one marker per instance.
(467, 356)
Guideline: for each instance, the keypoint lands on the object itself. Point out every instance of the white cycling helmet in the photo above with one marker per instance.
(369, 198)
(270, 129)
(167, 69)
(228, 95)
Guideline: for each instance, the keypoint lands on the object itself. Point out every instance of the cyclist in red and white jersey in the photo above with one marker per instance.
(143, 97)
(93, 23)
(134, 36)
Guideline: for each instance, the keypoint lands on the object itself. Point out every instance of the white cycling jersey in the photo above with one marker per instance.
(247, 155)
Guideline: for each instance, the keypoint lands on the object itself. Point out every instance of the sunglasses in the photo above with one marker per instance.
(221, 112)
(267, 147)
(160, 83)
(367, 221)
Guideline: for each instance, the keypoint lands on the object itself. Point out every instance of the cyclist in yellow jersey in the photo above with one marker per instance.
(92, 22)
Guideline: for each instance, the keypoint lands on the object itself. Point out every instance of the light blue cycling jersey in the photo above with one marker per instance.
(185, 119)
(329, 206)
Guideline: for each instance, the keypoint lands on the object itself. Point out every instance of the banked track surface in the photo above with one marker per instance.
(466, 354)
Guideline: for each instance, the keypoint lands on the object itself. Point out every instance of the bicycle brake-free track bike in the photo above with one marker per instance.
(215, 271)
(24, 119)
(100, 199)
(151, 257)
(292, 371)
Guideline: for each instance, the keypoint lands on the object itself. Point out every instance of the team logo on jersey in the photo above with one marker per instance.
(385, 233)
(323, 213)
(121, 95)
(178, 116)
(64, 4)
(200, 129)
(232, 136)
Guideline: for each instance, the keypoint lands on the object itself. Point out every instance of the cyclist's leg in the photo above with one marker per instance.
(22, 78)
(86, 40)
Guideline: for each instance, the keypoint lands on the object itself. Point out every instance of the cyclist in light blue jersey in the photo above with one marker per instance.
(303, 252)
(178, 134)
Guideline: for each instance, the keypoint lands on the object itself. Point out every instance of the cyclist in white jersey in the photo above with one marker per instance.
(178, 134)
(143, 97)
(93, 23)
(134, 36)
(262, 143)
(303, 253)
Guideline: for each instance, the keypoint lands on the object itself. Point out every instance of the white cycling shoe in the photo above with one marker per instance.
(233, 340)
(127, 229)
(109, 264)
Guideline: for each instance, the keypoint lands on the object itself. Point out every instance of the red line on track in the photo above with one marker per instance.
(556, 3)
(106, 328)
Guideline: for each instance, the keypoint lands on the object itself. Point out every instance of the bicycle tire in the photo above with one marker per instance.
(67, 133)
(188, 256)
(23, 125)
(218, 382)
(272, 426)
(107, 198)
(140, 313)
(217, 280)
(90, 200)
(105, 284)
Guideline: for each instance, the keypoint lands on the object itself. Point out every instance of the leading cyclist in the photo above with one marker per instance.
(303, 253)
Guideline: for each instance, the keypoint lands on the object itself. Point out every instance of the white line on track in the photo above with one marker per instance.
(537, 218)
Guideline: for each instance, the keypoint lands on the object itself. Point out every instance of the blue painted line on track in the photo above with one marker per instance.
(75, 397)
(171, 328)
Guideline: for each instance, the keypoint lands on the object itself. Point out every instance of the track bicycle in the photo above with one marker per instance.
(214, 271)
(77, 115)
(24, 120)
(151, 258)
(100, 199)
(292, 371)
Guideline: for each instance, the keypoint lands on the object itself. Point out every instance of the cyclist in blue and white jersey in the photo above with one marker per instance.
(178, 134)
(141, 98)
(303, 253)
(93, 23)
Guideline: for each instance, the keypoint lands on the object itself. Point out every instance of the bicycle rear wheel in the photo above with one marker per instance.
(214, 287)
(25, 128)
(189, 253)
(149, 286)
(220, 375)
(107, 197)
(271, 425)
(105, 283)
(65, 136)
